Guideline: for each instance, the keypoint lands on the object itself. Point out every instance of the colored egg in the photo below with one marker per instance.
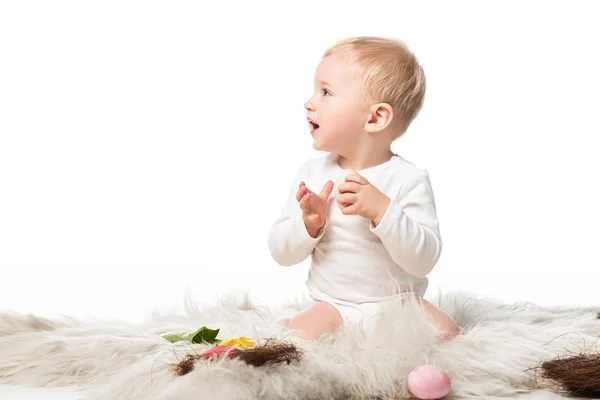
(218, 351)
(427, 382)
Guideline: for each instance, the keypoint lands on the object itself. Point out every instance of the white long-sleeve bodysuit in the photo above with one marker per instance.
(352, 262)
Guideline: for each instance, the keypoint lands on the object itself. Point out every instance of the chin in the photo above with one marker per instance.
(319, 147)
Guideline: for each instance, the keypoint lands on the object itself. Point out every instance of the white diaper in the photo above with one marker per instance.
(366, 313)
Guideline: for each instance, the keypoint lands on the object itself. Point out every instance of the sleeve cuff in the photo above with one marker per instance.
(300, 229)
(388, 219)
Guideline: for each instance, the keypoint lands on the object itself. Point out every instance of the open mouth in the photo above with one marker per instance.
(312, 125)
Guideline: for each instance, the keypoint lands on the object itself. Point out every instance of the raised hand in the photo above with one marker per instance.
(314, 207)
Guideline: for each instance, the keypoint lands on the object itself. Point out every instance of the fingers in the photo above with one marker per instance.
(324, 195)
(304, 205)
(349, 187)
(326, 191)
(302, 190)
(357, 179)
(346, 199)
(350, 210)
(311, 216)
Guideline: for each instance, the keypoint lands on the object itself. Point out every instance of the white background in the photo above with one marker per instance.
(146, 147)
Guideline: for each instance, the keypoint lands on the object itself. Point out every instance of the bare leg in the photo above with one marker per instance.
(315, 320)
(321, 317)
(443, 322)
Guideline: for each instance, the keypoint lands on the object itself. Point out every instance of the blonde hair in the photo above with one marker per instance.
(390, 73)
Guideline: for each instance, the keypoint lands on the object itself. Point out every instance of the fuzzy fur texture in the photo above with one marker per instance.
(496, 355)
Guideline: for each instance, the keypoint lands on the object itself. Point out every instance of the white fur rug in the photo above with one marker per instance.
(495, 356)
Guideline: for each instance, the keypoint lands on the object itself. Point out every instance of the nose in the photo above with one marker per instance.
(308, 105)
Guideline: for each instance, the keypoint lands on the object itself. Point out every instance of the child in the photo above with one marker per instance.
(380, 238)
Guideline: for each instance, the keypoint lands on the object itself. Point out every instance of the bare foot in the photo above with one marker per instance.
(444, 323)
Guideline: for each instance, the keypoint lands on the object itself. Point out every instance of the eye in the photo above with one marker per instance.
(326, 92)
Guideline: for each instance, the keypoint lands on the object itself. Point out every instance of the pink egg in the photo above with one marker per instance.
(427, 382)
(218, 351)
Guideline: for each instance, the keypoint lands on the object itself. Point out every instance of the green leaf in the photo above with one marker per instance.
(204, 335)
(174, 337)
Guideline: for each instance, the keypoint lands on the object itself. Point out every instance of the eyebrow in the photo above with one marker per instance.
(323, 83)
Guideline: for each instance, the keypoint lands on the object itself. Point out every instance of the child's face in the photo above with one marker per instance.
(337, 111)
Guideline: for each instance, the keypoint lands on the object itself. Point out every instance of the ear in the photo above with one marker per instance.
(380, 117)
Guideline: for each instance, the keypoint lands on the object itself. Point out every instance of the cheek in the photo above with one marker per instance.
(344, 116)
